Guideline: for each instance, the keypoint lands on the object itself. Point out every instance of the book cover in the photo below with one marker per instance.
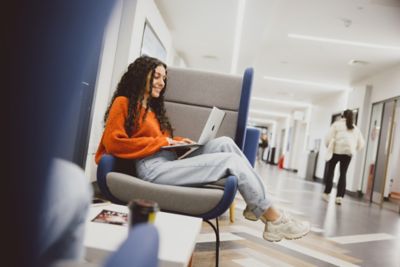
(111, 217)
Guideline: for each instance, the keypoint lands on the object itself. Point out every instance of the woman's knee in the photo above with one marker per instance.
(225, 141)
(234, 158)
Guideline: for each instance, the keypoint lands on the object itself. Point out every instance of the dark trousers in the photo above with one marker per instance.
(344, 164)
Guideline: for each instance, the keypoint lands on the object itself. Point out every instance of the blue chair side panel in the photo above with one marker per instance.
(251, 144)
(244, 107)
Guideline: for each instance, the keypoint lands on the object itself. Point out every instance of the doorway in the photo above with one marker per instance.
(381, 177)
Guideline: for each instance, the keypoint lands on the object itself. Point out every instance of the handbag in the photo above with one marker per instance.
(329, 150)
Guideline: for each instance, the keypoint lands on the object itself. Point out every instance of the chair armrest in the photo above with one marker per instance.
(140, 249)
(230, 188)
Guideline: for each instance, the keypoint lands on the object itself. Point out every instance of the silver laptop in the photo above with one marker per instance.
(209, 132)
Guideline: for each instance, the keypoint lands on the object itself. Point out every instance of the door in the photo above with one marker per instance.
(392, 185)
(372, 149)
(385, 141)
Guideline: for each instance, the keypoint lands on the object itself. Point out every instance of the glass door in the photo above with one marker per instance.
(372, 148)
(392, 184)
(383, 153)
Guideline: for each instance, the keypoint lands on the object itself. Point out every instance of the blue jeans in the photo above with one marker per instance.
(215, 160)
(66, 203)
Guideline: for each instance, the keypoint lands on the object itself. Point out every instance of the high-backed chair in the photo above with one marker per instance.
(190, 96)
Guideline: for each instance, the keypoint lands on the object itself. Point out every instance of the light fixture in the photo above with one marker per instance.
(282, 102)
(269, 113)
(343, 42)
(267, 121)
(309, 83)
(238, 34)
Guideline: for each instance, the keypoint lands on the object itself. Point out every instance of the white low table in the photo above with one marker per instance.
(177, 234)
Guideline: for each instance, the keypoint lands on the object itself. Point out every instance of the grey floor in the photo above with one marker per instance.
(353, 217)
(355, 233)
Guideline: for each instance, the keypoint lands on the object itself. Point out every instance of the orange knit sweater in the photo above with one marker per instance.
(146, 140)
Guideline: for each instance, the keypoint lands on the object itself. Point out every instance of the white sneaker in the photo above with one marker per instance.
(249, 215)
(285, 227)
(325, 197)
(338, 200)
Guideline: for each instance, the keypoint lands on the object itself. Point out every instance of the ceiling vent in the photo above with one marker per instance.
(355, 62)
(213, 57)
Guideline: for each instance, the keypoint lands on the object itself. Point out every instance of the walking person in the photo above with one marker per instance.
(263, 146)
(344, 139)
(136, 127)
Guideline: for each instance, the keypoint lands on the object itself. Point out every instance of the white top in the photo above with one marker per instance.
(346, 142)
(177, 235)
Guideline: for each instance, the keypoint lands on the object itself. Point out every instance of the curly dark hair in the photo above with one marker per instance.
(133, 85)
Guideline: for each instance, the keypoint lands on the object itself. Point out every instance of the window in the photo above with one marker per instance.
(151, 44)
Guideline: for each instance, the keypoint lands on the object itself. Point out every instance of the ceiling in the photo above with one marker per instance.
(300, 49)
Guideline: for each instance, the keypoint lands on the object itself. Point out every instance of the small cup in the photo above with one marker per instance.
(142, 211)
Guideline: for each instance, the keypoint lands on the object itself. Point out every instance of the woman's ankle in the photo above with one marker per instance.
(272, 214)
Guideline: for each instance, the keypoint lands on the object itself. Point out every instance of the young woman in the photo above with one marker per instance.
(347, 139)
(263, 146)
(136, 127)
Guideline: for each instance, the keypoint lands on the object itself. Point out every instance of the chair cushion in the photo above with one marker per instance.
(182, 117)
(206, 89)
(187, 200)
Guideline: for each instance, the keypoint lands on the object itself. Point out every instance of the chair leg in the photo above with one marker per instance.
(216, 231)
(232, 212)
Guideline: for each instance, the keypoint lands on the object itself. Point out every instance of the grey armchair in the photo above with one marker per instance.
(190, 96)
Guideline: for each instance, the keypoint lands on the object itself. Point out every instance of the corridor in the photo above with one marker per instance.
(353, 234)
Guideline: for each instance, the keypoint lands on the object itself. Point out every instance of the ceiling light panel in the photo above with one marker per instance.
(308, 83)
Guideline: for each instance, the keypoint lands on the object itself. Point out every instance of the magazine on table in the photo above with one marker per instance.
(111, 217)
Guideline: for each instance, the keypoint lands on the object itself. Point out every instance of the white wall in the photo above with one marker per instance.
(385, 84)
(121, 46)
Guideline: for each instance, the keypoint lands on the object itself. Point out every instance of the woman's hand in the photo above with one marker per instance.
(172, 142)
(187, 141)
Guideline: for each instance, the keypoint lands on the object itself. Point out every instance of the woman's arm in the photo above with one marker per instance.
(144, 142)
(360, 140)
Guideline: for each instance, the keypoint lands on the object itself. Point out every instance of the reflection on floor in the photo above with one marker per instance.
(353, 234)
